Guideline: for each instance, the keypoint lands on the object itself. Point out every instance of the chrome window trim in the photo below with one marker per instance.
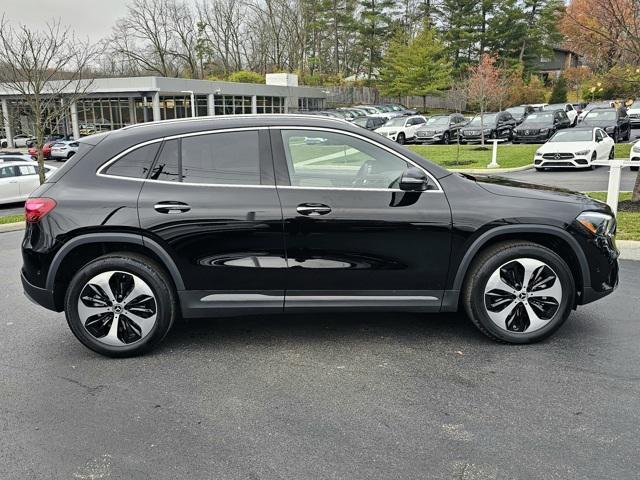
(104, 166)
(364, 139)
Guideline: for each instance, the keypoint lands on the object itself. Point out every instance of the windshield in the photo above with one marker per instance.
(599, 115)
(591, 106)
(362, 122)
(516, 110)
(396, 122)
(540, 117)
(572, 135)
(489, 119)
(438, 121)
(556, 106)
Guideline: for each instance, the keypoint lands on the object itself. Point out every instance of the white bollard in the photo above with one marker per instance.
(613, 190)
(494, 155)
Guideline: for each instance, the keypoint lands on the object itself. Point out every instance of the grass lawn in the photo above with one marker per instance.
(628, 222)
(11, 219)
(471, 156)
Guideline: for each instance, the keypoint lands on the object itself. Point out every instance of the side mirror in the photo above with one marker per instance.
(414, 180)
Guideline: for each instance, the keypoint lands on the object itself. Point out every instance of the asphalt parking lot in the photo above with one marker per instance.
(366, 396)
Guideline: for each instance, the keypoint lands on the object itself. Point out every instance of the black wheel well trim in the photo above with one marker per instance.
(114, 237)
(484, 239)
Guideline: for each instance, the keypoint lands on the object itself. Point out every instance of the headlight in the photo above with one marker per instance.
(597, 223)
(636, 148)
(538, 153)
(439, 131)
(487, 130)
(609, 129)
(544, 130)
(582, 152)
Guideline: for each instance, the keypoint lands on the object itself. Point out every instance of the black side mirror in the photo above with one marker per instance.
(414, 180)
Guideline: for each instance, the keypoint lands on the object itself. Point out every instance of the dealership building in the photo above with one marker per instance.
(112, 103)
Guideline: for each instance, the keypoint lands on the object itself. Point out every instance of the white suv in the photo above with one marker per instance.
(402, 129)
(64, 149)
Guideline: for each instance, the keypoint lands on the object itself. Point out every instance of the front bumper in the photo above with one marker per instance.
(541, 138)
(38, 295)
(580, 162)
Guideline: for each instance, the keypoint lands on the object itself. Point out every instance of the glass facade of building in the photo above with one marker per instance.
(306, 104)
(231, 104)
(270, 104)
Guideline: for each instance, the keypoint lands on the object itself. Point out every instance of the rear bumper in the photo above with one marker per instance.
(39, 296)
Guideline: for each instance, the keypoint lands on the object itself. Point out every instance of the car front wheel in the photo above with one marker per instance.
(518, 292)
(401, 139)
(120, 305)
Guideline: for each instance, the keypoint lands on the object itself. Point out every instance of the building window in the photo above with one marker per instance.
(306, 104)
(270, 104)
(231, 104)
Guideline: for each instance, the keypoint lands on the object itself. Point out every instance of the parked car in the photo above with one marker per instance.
(145, 225)
(575, 147)
(402, 129)
(378, 111)
(566, 108)
(64, 150)
(579, 107)
(20, 140)
(46, 151)
(370, 123)
(540, 126)
(538, 107)
(634, 154)
(441, 129)
(520, 112)
(591, 106)
(398, 107)
(18, 178)
(633, 111)
(496, 125)
(15, 156)
(614, 121)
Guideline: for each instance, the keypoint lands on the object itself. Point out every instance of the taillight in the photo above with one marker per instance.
(36, 208)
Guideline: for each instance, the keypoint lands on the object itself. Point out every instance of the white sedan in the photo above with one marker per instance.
(20, 140)
(402, 129)
(575, 148)
(64, 149)
(634, 154)
(18, 179)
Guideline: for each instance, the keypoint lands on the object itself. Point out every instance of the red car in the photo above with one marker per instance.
(46, 151)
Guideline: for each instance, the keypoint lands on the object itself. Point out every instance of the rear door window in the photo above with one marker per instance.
(135, 164)
(167, 166)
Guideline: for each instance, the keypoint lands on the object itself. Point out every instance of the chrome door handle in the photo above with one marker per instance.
(171, 207)
(313, 209)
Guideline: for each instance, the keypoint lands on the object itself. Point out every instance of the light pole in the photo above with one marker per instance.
(193, 101)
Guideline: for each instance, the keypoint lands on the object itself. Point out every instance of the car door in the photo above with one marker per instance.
(353, 238)
(602, 147)
(28, 180)
(211, 201)
(9, 188)
(414, 125)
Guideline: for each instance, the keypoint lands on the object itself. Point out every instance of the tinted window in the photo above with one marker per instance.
(135, 164)
(6, 172)
(227, 158)
(334, 160)
(167, 165)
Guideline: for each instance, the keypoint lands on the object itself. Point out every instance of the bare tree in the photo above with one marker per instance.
(48, 70)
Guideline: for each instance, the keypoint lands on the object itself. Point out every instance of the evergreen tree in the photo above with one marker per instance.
(559, 92)
(375, 21)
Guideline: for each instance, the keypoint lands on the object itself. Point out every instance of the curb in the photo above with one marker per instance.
(479, 171)
(629, 249)
(11, 227)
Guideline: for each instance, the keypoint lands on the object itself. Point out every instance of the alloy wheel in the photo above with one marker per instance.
(523, 295)
(117, 308)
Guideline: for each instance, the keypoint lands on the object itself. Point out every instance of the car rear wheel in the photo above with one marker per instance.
(446, 139)
(120, 305)
(518, 292)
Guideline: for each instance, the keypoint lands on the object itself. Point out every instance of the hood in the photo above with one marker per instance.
(531, 124)
(512, 188)
(389, 129)
(560, 147)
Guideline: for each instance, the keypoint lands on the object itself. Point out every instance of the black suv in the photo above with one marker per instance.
(495, 125)
(539, 127)
(219, 216)
(370, 123)
(614, 121)
(441, 129)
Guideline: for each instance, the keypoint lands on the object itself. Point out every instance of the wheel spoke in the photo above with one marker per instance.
(102, 281)
(112, 337)
(144, 324)
(500, 318)
(554, 291)
(497, 283)
(139, 289)
(535, 322)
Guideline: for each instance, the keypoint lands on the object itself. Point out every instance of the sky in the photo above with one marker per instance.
(88, 18)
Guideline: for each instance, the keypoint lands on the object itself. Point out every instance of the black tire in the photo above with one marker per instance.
(70, 154)
(540, 169)
(401, 139)
(492, 259)
(493, 135)
(616, 136)
(446, 138)
(594, 157)
(612, 153)
(155, 278)
(5, 144)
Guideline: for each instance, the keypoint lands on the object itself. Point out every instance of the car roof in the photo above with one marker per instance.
(19, 162)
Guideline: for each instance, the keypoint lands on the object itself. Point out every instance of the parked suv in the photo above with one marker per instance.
(441, 128)
(289, 213)
(539, 127)
(495, 125)
(614, 121)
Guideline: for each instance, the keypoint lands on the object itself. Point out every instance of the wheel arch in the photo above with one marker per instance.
(549, 236)
(84, 247)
